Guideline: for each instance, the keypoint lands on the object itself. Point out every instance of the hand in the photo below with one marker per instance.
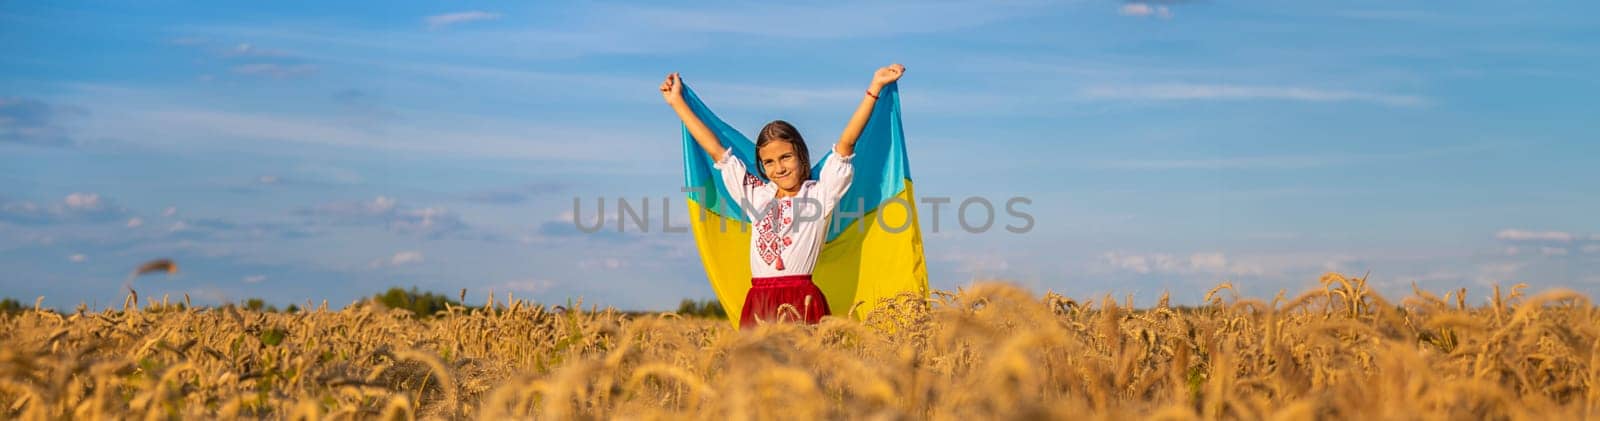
(672, 88)
(887, 75)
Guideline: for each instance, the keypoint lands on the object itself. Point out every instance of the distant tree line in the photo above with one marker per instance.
(423, 304)
(702, 308)
(420, 303)
(9, 305)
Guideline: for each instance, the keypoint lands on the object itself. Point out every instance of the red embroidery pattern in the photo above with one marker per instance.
(752, 180)
(768, 244)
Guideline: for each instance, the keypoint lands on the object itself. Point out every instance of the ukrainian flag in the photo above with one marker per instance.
(874, 244)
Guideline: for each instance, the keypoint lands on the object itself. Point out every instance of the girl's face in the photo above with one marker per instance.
(782, 164)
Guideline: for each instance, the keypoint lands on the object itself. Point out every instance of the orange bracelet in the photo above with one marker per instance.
(869, 93)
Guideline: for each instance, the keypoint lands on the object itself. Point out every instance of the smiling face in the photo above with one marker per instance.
(782, 156)
(780, 162)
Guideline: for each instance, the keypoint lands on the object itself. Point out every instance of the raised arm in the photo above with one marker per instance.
(858, 121)
(672, 91)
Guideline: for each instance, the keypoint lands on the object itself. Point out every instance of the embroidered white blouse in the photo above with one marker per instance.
(788, 232)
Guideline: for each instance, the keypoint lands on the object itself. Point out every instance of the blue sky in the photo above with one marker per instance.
(300, 151)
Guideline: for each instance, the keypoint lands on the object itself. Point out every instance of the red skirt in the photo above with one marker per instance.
(765, 303)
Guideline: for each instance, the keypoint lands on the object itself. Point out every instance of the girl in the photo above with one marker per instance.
(791, 210)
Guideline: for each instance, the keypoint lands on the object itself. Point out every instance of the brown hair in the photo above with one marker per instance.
(782, 131)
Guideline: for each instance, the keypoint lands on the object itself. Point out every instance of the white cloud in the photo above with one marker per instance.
(76, 207)
(1142, 9)
(424, 220)
(1185, 91)
(254, 279)
(170, 211)
(381, 203)
(444, 20)
(1208, 262)
(405, 257)
(1512, 251)
(135, 222)
(1337, 264)
(1591, 248)
(1135, 263)
(1524, 235)
(267, 179)
(83, 201)
(78, 258)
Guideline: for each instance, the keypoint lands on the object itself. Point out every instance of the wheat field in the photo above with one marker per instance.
(988, 351)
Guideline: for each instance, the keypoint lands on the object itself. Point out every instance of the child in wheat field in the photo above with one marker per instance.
(788, 236)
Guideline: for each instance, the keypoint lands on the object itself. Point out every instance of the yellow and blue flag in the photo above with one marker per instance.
(873, 249)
